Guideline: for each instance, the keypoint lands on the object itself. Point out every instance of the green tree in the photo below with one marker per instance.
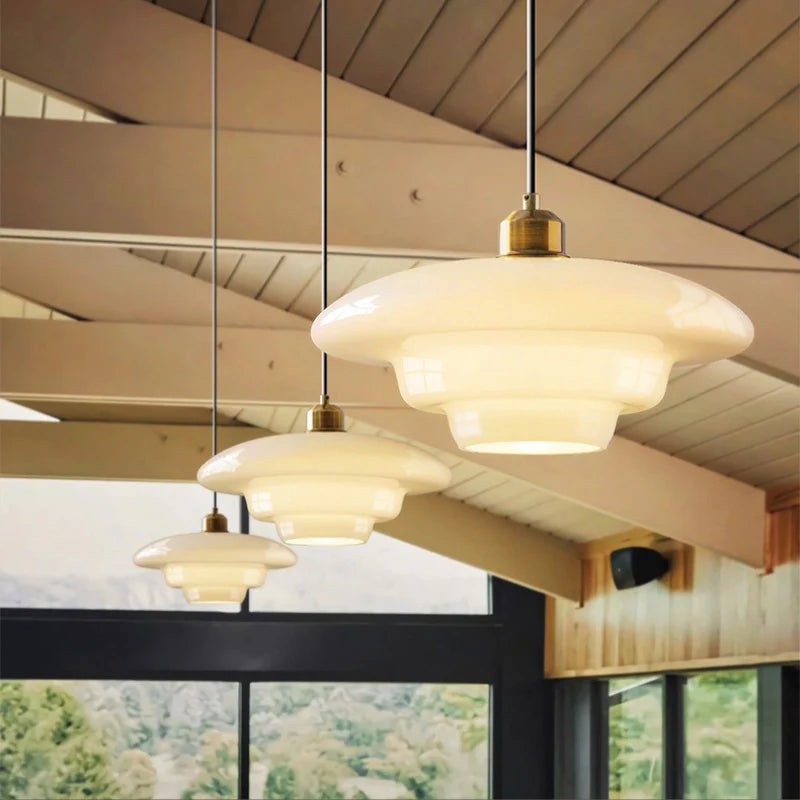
(48, 749)
(219, 767)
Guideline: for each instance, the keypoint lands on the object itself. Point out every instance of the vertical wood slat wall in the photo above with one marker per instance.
(706, 611)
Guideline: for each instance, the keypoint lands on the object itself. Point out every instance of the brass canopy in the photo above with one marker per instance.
(215, 523)
(325, 417)
(532, 231)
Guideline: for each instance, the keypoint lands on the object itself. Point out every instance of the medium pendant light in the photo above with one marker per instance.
(214, 566)
(532, 351)
(325, 486)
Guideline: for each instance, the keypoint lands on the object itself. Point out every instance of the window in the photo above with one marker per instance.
(385, 576)
(634, 738)
(721, 734)
(73, 542)
(118, 739)
(381, 740)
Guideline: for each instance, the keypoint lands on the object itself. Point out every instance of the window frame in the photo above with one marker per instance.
(504, 649)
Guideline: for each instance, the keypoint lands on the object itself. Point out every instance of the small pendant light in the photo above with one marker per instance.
(532, 352)
(214, 566)
(325, 486)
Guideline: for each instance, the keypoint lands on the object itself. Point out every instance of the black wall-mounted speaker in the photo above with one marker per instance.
(635, 566)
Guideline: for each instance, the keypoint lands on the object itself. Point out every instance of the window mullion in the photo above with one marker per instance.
(673, 739)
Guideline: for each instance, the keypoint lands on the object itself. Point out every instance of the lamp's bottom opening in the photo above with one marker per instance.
(533, 448)
(324, 541)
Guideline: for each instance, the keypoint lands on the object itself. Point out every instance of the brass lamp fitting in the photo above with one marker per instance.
(215, 523)
(532, 231)
(325, 417)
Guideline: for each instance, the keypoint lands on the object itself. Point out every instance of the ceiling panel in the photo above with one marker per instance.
(736, 36)
(780, 228)
(645, 53)
(392, 37)
(189, 8)
(688, 103)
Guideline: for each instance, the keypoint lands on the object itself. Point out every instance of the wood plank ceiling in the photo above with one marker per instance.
(694, 104)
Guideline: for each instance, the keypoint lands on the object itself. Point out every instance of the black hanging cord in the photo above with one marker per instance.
(531, 116)
(323, 12)
(214, 234)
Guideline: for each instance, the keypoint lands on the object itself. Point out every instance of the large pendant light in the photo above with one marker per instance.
(532, 351)
(325, 486)
(214, 566)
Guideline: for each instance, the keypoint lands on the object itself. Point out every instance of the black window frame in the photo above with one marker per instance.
(581, 718)
(503, 648)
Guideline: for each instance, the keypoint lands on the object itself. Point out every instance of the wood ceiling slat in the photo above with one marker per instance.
(480, 483)
(394, 34)
(768, 190)
(341, 271)
(670, 27)
(737, 36)
(281, 26)
(583, 43)
(490, 75)
(59, 109)
(767, 138)
(22, 101)
(782, 447)
(253, 272)
(518, 503)
(455, 35)
(151, 254)
(734, 393)
(507, 121)
(235, 17)
(183, 260)
(778, 470)
(290, 278)
(742, 437)
(348, 20)
(226, 264)
(794, 248)
(193, 9)
(680, 442)
(760, 84)
(781, 227)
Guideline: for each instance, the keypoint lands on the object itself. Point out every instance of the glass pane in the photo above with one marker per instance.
(70, 544)
(383, 576)
(634, 738)
(721, 736)
(118, 739)
(374, 740)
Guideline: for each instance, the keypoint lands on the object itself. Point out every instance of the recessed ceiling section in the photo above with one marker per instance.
(693, 104)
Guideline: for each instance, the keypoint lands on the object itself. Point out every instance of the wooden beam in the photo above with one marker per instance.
(123, 451)
(169, 365)
(151, 184)
(164, 365)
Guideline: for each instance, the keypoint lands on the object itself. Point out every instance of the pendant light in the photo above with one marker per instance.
(324, 486)
(214, 566)
(532, 351)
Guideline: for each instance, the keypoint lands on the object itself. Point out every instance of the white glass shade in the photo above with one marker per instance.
(215, 567)
(324, 488)
(532, 354)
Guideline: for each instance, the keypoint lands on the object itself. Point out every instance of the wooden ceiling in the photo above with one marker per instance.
(694, 104)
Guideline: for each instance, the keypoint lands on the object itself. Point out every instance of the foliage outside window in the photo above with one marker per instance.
(332, 741)
(132, 740)
(634, 738)
(721, 735)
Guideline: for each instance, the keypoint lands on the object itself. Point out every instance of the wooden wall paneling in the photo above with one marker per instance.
(453, 38)
(706, 611)
(781, 227)
(347, 24)
(751, 202)
(741, 32)
(585, 40)
(188, 8)
(395, 31)
(282, 27)
(757, 87)
(236, 17)
(648, 49)
(768, 137)
(490, 75)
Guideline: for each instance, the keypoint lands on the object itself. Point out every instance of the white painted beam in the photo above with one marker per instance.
(162, 365)
(123, 451)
